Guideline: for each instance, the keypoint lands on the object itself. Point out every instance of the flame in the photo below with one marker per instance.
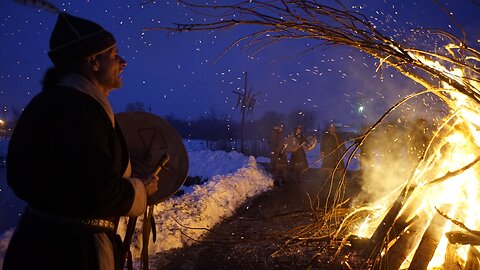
(455, 146)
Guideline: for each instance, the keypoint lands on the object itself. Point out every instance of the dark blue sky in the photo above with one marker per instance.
(175, 73)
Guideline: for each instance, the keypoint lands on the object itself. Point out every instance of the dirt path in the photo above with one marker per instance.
(254, 238)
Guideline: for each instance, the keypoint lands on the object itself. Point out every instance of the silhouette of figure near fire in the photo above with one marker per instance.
(278, 155)
(332, 149)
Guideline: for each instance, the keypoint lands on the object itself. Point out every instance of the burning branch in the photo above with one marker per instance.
(459, 224)
(449, 174)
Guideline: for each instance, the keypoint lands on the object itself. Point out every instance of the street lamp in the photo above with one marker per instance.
(360, 109)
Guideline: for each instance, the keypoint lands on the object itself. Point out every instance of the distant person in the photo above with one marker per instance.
(68, 160)
(278, 157)
(298, 157)
(332, 150)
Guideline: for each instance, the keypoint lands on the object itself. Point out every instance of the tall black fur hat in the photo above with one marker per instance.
(73, 38)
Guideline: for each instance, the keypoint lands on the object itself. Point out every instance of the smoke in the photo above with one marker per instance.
(391, 152)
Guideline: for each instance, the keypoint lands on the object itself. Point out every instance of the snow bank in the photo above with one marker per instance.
(182, 220)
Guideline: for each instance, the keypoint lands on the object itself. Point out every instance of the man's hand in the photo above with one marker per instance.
(151, 184)
(163, 163)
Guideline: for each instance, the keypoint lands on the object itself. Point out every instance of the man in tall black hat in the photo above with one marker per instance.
(68, 160)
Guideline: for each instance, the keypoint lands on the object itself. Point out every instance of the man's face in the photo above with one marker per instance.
(110, 67)
(331, 129)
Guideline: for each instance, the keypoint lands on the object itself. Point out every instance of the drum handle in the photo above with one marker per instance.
(163, 162)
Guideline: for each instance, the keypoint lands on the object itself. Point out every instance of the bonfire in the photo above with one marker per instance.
(430, 219)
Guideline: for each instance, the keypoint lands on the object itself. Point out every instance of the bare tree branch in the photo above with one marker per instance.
(277, 20)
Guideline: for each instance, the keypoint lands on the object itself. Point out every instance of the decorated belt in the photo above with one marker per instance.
(94, 223)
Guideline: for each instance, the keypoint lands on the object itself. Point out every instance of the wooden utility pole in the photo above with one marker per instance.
(246, 101)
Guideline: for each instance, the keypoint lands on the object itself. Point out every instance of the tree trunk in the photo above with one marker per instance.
(428, 244)
(403, 246)
(473, 257)
(378, 238)
(452, 261)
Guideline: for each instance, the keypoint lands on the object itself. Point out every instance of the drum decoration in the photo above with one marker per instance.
(150, 140)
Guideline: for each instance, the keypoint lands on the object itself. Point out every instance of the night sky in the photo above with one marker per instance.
(175, 74)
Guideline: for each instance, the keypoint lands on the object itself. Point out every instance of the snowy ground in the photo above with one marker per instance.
(232, 178)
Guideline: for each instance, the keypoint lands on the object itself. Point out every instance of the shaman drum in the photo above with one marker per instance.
(291, 144)
(310, 144)
(150, 139)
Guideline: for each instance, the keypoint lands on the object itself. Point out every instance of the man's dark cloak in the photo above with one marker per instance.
(65, 158)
